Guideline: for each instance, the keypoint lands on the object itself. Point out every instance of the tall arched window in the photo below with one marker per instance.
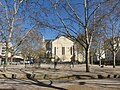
(63, 50)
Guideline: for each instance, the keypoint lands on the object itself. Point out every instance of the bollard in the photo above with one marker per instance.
(108, 76)
(100, 77)
(13, 76)
(115, 76)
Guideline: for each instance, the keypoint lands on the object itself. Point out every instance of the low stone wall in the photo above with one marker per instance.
(42, 76)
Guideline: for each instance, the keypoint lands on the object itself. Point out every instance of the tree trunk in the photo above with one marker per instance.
(87, 59)
(5, 63)
(11, 60)
(114, 63)
(4, 66)
(6, 58)
(91, 60)
(99, 61)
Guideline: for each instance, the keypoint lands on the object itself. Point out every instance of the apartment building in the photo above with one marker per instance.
(16, 58)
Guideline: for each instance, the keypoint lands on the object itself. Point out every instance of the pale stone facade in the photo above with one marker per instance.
(3, 52)
(79, 53)
(63, 48)
(3, 49)
(99, 55)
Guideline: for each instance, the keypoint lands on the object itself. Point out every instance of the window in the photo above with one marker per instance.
(3, 53)
(63, 50)
(71, 50)
(54, 50)
(4, 48)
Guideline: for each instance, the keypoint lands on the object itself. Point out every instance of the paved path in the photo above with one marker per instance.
(63, 70)
(36, 85)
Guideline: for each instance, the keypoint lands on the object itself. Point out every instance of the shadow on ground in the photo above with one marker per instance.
(36, 82)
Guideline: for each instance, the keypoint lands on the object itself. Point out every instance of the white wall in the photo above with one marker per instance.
(63, 42)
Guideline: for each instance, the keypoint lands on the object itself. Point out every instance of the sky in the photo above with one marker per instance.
(54, 20)
(42, 11)
(49, 34)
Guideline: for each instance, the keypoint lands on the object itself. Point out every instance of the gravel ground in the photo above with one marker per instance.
(64, 78)
(8, 84)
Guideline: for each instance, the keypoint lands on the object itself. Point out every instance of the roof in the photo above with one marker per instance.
(18, 57)
(59, 37)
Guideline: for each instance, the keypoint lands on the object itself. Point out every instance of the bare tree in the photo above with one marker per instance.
(15, 24)
(110, 28)
(100, 51)
(76, 21)
(113, 40)
(9, 17)
(32, 46)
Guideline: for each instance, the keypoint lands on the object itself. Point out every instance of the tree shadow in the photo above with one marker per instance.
(31, 82)
(4, 75)
(37, 82)
(82, 83)
(46, 85)
(77, 77)
(7, 89)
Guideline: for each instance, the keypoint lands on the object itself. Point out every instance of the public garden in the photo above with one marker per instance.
(17, 77)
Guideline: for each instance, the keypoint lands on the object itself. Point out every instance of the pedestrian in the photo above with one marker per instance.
(72, 60)
(55, 62)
